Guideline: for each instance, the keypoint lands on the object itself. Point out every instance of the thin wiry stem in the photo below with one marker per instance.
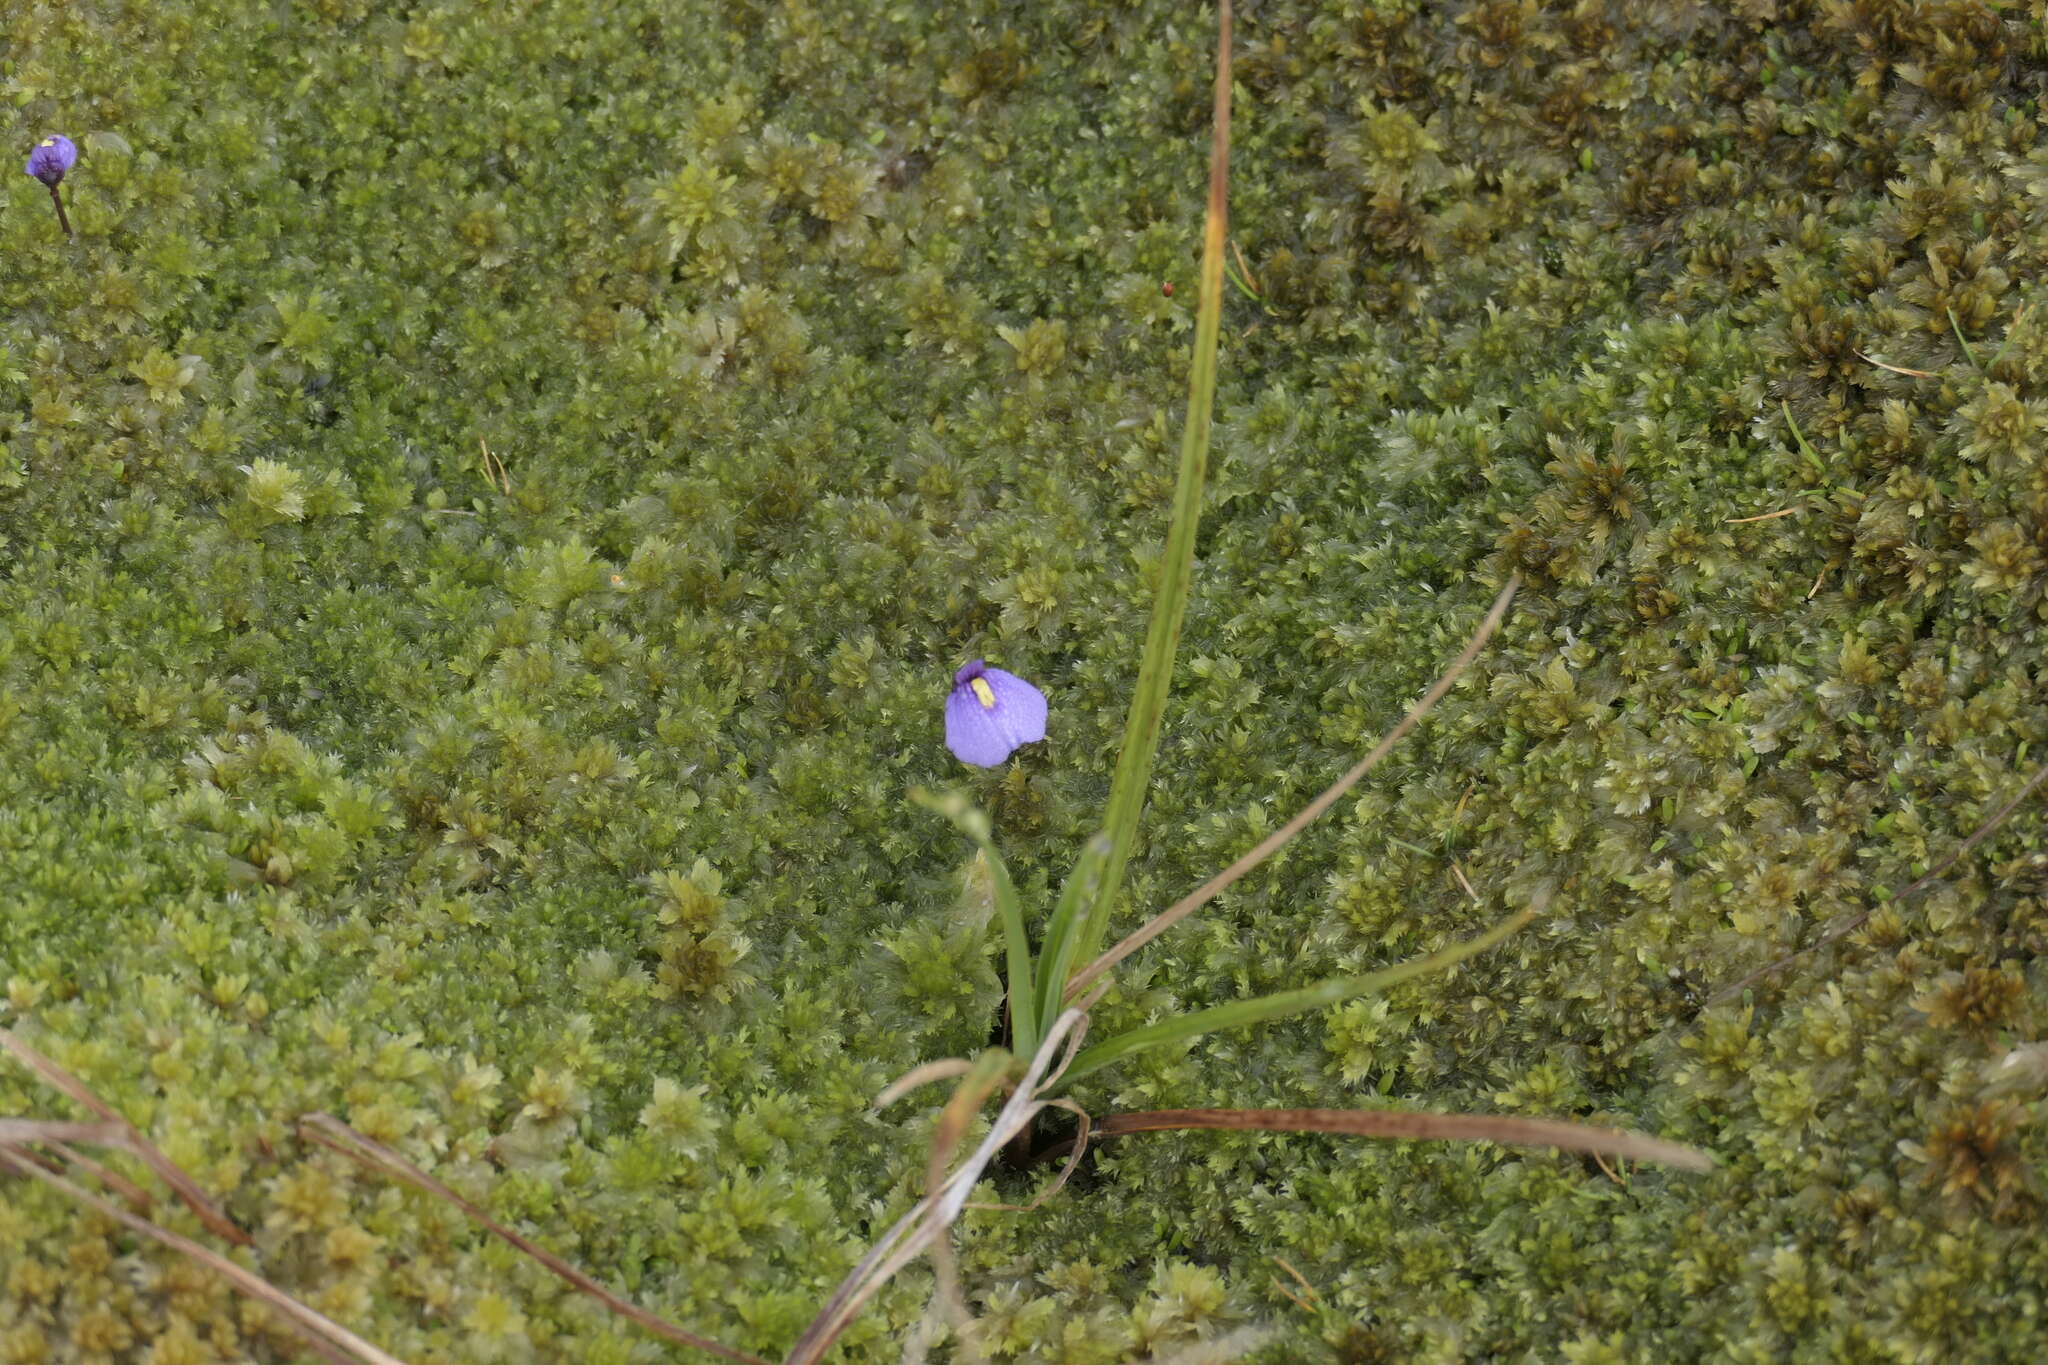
(58, 1130)
(332, 1132)
(1273, 842)
(187, 1188)
(247, 1281)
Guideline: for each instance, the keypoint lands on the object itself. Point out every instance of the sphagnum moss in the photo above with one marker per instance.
(357, 811)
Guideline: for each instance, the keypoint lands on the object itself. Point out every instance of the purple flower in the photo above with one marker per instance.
(990, 713)
(53, 156)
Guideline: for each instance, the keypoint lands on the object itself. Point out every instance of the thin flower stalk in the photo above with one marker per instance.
(52, 157)
(1155, 672)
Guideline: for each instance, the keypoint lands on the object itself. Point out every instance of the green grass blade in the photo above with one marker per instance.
(1963, 341)
(1283, 1003)
(1800, 437)
(1023, 984)
(1408, 1126)
(1155, 673)
(1244, 286)
(1061, 948)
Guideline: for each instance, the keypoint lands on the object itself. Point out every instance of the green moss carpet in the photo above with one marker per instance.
(494, 495)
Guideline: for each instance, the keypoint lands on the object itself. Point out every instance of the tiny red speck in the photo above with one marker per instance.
(1167, 289)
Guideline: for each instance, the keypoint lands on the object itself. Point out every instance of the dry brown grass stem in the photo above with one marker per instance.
(138, 1198)
(326, 1335)
(131, 1193)
(923, 1074)
(494, 469)
(930, 1218)
(984, 1077)
(1299, 1279)
(187, 1188)
(1465, 882)
(332, 1132)
(14, 1132)
(327, 1338)
(1273, 842)
(1896, 369)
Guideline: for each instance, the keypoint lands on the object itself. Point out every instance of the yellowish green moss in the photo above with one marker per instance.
(490, 506)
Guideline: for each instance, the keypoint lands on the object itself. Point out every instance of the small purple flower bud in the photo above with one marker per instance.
(53, 156)
(990, 714)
